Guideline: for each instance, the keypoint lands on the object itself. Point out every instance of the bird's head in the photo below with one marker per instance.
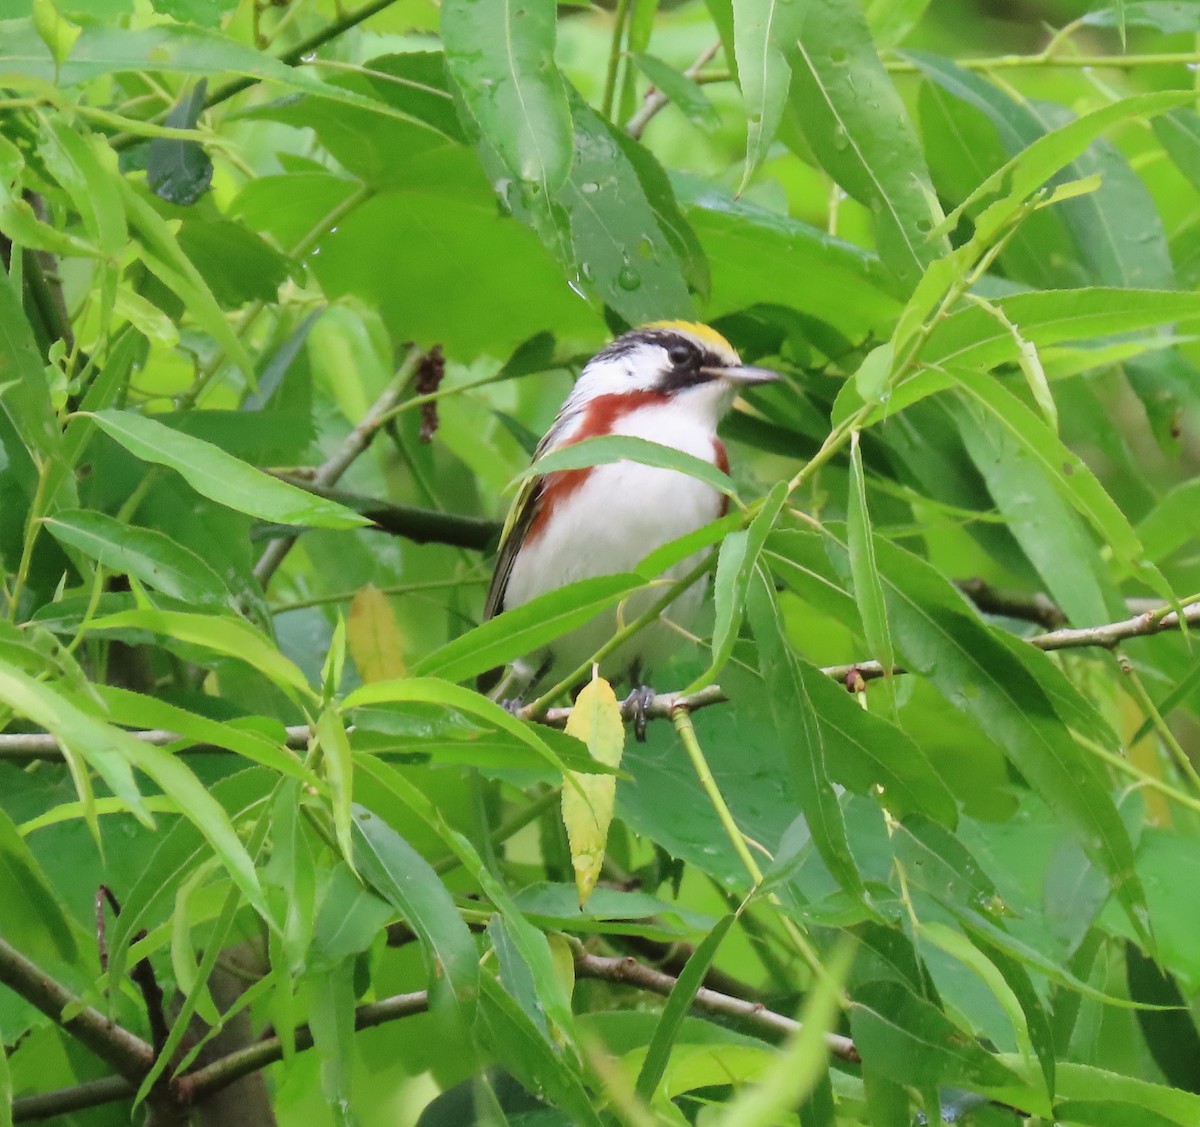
(669, 361)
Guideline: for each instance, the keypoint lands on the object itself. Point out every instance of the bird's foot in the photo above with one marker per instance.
(515, 706)
(637, 702)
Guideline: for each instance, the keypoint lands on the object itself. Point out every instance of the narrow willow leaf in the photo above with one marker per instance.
(521, 1049)
(685, 93)
(802, 1061)
(804, 743)
(339, 770)
(856, 123)
(34, 913)
(868, 590)
(430, 690)
(587, 808)
(910, 1041)
(1173, 522)
(938, 635)
(736, 562)
(528, 940)
(163, 256)
(609, 448)
(407, 881)
(1072, 476)
(231, 637)
(144, 553)
(1081, 1082)
(764, 36)
(501, 56)
(679, 1002)
(525, 629)
(373, 636)
(220, 476)
(136, 710)
(331, 1018)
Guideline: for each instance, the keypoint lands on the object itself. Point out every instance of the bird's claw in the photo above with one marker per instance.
(637, 702)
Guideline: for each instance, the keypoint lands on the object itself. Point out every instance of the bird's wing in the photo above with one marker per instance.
(521, 515)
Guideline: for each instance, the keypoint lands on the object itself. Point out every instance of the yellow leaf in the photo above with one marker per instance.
(587, 808)
(373, 637)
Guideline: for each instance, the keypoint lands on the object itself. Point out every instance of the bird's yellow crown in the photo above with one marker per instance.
(703, 332)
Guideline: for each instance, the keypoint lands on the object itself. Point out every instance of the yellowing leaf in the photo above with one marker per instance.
(373, 636)
(587, 800)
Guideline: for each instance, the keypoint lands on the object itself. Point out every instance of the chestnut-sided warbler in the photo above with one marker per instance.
(669, 382)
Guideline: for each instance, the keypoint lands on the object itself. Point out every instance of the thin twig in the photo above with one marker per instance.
(93, 1093)
(142, 973)
(354, 444)
(655, 99)
(24, 747)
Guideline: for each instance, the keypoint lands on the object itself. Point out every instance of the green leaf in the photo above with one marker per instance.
(739, 556)
(684, 93)
(232, 637)
(177, 170)
(170, 48)
(501, 56)
(162, 254)
(608, 448)
(1084, 1083)
(1173, 522)
(868, 591)
(805, 742)
(856, 124)
(678, 1004)
(24, 392)
(1170, 1033)
(407, 881)
(33, 914)
(939, 636)
(349, 919)
(1069, 473)
(339, 770)
(435, 691)
(143, 553)
(764, 37)
(972, 338)
(529, 942)
(331, 1019)
(521, 1049)
(222, 477)
(619, 250)
(136, 710)
(1045, 524)
(525, 629)
(911, 1042)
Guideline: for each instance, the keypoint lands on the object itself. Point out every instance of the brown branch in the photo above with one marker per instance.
(123, 1051)
(357, 441)
(1037, 608)
(93, 1093)
(142, 974)
(629, 972)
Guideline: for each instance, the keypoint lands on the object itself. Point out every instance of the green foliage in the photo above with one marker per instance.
(239, 628)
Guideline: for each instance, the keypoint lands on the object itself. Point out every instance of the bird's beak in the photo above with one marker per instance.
(742, 375)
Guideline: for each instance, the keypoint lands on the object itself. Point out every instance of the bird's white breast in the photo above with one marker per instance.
(620, 513)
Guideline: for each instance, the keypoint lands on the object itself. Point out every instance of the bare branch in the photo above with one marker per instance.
(329, 472)
(94, 1093)
(125, 1052)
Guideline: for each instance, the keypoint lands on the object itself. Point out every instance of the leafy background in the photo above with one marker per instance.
(238, 236)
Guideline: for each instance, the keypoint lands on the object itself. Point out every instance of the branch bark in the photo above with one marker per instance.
(124, 1052)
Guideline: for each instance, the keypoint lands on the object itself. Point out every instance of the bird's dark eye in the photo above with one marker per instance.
(679, 354)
